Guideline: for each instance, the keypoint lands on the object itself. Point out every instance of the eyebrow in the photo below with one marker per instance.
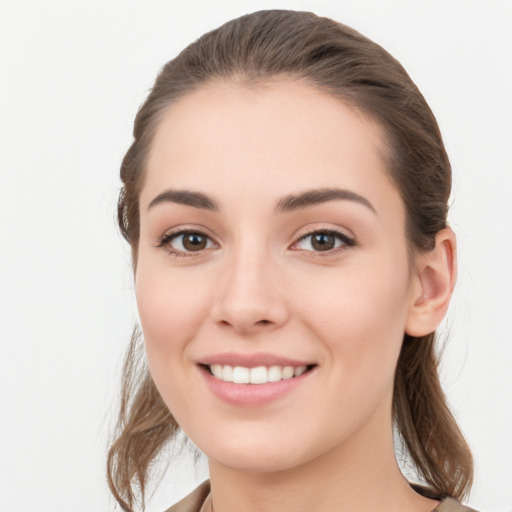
(286, 204)
(186, 197)
(319, 196)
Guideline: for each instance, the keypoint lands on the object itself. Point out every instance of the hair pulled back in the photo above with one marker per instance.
(341, 62)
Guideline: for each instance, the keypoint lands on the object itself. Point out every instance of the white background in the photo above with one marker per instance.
(72, 75)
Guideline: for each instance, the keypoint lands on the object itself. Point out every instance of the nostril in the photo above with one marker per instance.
(263, 322)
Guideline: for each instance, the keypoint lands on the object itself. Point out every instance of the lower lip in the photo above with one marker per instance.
(252, 394)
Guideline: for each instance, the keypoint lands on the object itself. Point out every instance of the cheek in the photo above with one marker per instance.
(360, 313)
(170, 311)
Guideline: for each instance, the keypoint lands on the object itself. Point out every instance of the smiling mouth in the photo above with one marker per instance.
(256, 375)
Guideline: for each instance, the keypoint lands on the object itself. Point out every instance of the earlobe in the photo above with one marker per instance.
(435, 276)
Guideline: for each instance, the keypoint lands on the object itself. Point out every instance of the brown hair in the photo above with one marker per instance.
(347, 65)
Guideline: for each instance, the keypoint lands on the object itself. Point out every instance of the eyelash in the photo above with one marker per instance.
(346, 242)
(165, 242)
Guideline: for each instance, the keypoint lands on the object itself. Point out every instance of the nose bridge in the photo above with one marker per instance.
(249, 298)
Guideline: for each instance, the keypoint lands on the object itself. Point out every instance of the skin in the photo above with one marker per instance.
(260, 286)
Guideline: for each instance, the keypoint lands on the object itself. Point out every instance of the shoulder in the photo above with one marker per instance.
(194, 501)
(451, 505)
(446, 504)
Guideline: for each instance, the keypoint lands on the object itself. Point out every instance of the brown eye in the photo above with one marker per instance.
(323, 241)
(194, 241)
(187, 242)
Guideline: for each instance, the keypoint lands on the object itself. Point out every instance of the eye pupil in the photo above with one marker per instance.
(323, 241)
(194, 241)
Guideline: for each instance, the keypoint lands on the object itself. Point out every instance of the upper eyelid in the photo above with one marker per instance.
(311, 230)
(346, 240)
(181, 230)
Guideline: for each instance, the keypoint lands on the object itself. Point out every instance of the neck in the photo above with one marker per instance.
(360, 474)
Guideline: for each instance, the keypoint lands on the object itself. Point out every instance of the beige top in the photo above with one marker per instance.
(200, 501)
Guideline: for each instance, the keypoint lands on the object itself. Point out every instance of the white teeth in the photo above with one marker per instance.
(288, 372)
(227, 373)
(274, 374)
(257, 375)
(216, 370)
(300, 370)
(241, 375)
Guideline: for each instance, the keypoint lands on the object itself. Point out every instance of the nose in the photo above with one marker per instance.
(250, 298)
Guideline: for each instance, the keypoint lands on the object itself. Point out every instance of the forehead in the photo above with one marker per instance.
(271, 139)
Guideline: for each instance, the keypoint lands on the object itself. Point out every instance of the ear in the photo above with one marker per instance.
(434, 280)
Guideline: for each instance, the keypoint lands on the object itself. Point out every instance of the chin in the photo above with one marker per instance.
(256, 462)
(254, 456)
(264, 455)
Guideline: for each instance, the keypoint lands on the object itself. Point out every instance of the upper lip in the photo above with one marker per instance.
(252, 360)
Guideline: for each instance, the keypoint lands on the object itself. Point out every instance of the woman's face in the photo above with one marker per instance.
(272, 244)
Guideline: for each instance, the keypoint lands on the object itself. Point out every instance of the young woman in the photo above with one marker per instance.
(285, 199)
